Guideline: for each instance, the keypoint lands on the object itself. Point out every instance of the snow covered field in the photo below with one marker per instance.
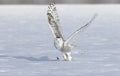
(26, 42)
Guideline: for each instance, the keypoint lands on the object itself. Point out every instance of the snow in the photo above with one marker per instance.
(26, 42)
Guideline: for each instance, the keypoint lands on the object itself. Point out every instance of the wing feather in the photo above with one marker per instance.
(74, 35)
(54, 22)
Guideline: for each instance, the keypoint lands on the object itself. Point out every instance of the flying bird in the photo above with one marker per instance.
(65, 46)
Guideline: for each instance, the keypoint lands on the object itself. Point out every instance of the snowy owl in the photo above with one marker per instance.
(65, 46)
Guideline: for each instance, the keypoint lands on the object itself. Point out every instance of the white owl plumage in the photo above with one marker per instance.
(61, 44)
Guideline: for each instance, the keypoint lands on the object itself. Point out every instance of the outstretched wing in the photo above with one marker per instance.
(74, 35)
(54, 22)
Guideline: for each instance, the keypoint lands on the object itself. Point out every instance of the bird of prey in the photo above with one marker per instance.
(65, 46)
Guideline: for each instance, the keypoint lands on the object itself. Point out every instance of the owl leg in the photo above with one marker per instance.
(67, 56)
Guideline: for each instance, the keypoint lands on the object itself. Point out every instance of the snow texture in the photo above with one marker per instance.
(27, 45)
